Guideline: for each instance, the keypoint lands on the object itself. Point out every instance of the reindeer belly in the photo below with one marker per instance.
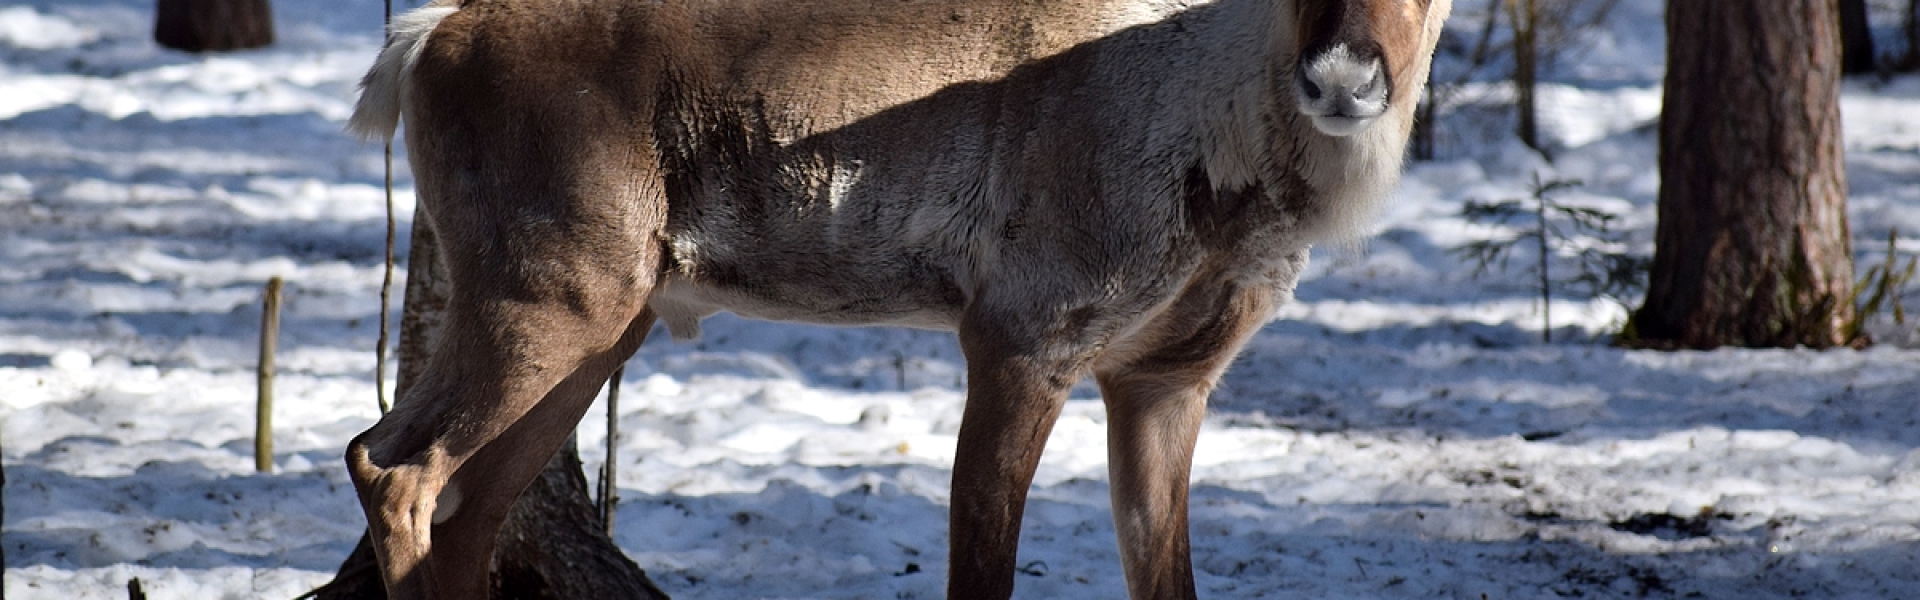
(802, 287)
(799, 256)
(839, 227)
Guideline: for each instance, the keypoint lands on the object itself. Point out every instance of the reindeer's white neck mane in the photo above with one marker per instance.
(1351, 177)
(1253, 134)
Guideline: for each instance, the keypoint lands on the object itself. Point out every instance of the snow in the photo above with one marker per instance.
(1400, 432)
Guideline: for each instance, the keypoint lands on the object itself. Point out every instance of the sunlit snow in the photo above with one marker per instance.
(1399, 432)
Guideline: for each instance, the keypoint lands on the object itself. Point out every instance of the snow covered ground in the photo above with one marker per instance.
(1400, 432)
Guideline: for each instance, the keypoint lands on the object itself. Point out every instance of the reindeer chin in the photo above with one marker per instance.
(1341, 125)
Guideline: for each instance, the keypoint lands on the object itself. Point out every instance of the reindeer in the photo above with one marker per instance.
(1121, 188)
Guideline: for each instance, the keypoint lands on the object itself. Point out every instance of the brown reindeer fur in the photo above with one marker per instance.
(1118, 188)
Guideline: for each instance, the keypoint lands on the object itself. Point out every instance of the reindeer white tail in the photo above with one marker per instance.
(378, 112)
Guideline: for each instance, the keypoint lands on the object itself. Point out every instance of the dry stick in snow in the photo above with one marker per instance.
(263, 420)
(386, 279)
(607, 496)
(1546, 278)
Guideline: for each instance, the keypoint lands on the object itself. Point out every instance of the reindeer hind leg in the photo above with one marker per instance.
(549, 286)
(438, 474)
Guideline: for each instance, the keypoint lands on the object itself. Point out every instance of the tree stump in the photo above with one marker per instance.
(552, 547)
(213, 25)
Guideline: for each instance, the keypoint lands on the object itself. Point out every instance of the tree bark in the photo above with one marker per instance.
(1525, 18)
(213, 25)
(1423, 116)
(3, 519)
(1856, 36)
(553, 544)
(1910, 24)
(1752, 247)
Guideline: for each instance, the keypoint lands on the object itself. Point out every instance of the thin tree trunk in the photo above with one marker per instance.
(1910, 23)
(553, 544)
(1856, 36)
(1423, 116)
(1752, 246)
(213, 25)
(1483, 50)
(1525, 16)
(3, 519)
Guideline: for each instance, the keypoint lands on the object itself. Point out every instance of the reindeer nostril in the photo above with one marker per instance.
(1376, 85)
(1310, 89)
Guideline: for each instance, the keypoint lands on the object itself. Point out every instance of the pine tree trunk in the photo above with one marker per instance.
(553, 544)
(3, 519)
(1752, 246)
(1910, 23)
(1525, 18)
(1856, 35)
(1423, 116)
(213, 25)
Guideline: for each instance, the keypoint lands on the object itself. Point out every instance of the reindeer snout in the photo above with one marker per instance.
(1342, 90)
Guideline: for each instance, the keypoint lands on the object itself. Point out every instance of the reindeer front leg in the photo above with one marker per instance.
(1014, 395)
(1151, 428)
(1156, 399)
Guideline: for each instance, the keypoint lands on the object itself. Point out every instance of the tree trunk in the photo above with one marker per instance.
(1910, 23)
(213, 25)
(1856, 36)
(553, 544)
(1525, 17)
(1422, 139)
(3, 519)
(1752, 247)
